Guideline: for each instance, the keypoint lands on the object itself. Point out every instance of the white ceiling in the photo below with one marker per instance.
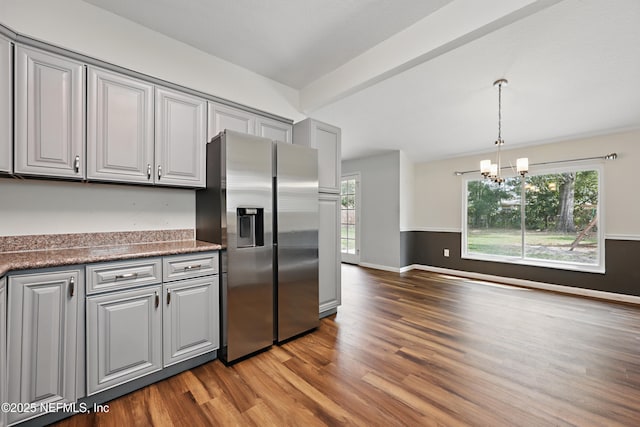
(573, 65)
(290, 41)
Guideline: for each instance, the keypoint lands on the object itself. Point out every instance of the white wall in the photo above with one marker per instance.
(87, 29)
(438, 192)
(379, 209)
(51, 207)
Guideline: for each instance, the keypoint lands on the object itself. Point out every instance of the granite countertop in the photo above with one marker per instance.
(91, 247)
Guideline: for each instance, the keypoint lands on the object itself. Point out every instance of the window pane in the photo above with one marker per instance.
(561, 217)
(344, 216)
(343, 187)
(351, 186)
(343, 231)
(344, 201)
(351, 201)
(351, 216)
(344, 244)
(351, 246)
(352, 232)
(493, 215)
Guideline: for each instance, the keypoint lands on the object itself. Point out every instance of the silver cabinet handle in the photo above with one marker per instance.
(76, 164)
(126, 276)
(72, 286)
(168, 296)
(149, 171)
(159, 172)
(192, 267)
(157, 299)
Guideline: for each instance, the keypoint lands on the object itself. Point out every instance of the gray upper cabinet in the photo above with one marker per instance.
(43, 311)
(49, 109)
(180, 139)
(326, 139)
(275, 130)
(6, 108)
(222, 117)
(120, 140)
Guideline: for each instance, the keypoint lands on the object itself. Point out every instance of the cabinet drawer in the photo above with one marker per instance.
(192, 265)
(111, 276)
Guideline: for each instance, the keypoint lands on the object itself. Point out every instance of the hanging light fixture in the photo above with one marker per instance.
(492, 170)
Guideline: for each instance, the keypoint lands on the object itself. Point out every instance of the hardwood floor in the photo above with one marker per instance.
(419, 349)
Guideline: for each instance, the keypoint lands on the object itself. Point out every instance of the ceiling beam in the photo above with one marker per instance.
(458, 23)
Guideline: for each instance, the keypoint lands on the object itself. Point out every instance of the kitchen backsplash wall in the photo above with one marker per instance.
(55, 207)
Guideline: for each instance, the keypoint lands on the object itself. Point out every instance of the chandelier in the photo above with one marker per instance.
(491, 170)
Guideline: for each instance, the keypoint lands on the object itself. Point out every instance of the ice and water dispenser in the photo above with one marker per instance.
(250, 227)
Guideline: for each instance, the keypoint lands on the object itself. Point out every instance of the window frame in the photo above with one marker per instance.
(523, 260)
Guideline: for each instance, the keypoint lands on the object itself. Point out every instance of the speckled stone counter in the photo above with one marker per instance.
(27, 252)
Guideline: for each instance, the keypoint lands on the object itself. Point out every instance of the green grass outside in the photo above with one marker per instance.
(539, 245)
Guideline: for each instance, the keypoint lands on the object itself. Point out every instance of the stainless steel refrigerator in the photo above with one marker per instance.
(269, 286)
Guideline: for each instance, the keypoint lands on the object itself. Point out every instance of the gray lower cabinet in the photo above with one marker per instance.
(190, 318)
(43, 334)
(49, 115)
(136, 324)
(6, 108)
(124, 337)
(330, 295)
(3, 348)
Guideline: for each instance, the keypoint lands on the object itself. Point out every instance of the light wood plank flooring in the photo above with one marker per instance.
(419, 349)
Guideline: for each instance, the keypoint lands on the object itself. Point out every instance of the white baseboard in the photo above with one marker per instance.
(529, 284)
(380, 267)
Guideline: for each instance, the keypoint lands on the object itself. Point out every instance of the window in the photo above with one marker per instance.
(550, 218)
(349, 238)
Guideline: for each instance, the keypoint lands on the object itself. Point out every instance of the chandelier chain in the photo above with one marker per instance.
(499, 113)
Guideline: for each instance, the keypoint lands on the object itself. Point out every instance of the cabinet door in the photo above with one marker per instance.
(119, 128)
(190, 318)
(124, 337)
(3, 348)
(329, 252)
(326, 139)
(274, 130)
(6, 108)
(49, 115)
(42, 329)
(180, 139)
(222, 117)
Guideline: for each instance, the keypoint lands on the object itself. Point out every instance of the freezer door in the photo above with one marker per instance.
(297, 239)
(248, 294)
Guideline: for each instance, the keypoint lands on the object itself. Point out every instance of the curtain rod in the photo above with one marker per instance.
(610, 156)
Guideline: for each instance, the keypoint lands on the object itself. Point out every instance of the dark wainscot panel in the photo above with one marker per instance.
(622, 274)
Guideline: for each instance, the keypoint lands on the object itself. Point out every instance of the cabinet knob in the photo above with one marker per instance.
(72, 286)
(76, 164)
(159, 172)
(168, 296)
(149, 171)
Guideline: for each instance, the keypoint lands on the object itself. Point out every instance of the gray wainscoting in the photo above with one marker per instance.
(622, 263)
